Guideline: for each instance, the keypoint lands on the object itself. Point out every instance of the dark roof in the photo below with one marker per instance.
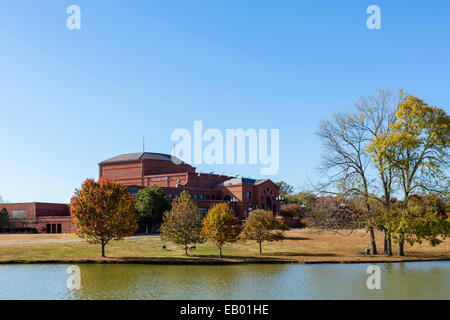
(142, 156)
(240, 181)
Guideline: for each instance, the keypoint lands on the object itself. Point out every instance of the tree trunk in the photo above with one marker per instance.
(103, 249)
(260, 247)
(220, 252)
(385, 248)
(401, 251)
(372, 241)
(146, 228)
(185, 250)
(389, 246)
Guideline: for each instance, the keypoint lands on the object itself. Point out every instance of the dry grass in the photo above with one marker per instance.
(301, 245)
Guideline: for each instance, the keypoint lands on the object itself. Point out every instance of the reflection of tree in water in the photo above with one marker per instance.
(255, 281)
(134, 281)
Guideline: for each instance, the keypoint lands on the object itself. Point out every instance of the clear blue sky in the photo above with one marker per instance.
(70, 99)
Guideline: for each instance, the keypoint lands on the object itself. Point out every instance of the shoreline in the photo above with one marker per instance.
(223, 261)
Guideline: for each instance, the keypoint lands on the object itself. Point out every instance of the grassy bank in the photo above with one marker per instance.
(301, 246)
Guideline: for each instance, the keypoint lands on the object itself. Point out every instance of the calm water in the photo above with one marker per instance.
(413, 280)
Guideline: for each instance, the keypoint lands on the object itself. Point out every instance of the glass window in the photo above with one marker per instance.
(195, 196)
(170, 196)
(249, 194)
(202, 196)
(133, 191)
(177, 195)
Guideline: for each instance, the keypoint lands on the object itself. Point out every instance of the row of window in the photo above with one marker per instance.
(53, 228)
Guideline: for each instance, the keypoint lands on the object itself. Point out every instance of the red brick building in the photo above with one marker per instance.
(138, 170)
(36, 216)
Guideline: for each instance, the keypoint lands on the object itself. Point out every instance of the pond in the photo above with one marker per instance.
(411, 280)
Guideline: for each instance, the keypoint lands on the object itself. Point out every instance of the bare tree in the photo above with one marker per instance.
(379, 112)
(345, 162)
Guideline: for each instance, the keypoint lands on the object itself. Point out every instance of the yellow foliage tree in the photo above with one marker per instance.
(262, 226)
(416, 148)
(220, 226)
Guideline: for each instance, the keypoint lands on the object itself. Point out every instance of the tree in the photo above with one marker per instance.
(304, 200)
(345, 162)
(416, 147)
(285, 188)
(221, 226)
(183, 223)
(1, 199)
(262, 226)
(151, 203)
(103, 211)
(337, 215)
(291, 210)
(413, 225)
(4, 212)
(380, 116)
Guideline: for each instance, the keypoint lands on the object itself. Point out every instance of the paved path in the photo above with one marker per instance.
(3, 243)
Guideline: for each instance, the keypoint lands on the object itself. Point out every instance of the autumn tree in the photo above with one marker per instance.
(345, 162)
(416, 147)
(336, 214)
(262, 226)
(183, 223)
(103, 211)
(151, 203)
(221, 226)
(379, 114)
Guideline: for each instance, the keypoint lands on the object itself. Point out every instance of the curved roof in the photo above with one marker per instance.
(143, 156)
(240, 181)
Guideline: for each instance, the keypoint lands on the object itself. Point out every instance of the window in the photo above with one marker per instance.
(170, 196)
(49, 228)
(204, 210)
(177, 195)
(58, 228)
(195, 196)
(20, 214)
(249, 204)
(212, 197)
(53, 228)
(133, 191)
(227, 198)
(207, 196)
(249, 194)
(202, 196)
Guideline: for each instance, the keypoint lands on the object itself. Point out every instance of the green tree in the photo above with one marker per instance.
(413, 225)
(285, 189)
(103, 211)
(221, 226)
(183, 223)
(262, 226)
(151, 203)
(416, 148)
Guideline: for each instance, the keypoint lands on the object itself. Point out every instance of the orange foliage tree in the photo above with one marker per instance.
(103, 211)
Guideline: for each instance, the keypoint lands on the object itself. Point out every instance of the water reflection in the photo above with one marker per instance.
(421, 280)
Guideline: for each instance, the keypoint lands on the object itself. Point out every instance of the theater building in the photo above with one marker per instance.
(139, 170)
